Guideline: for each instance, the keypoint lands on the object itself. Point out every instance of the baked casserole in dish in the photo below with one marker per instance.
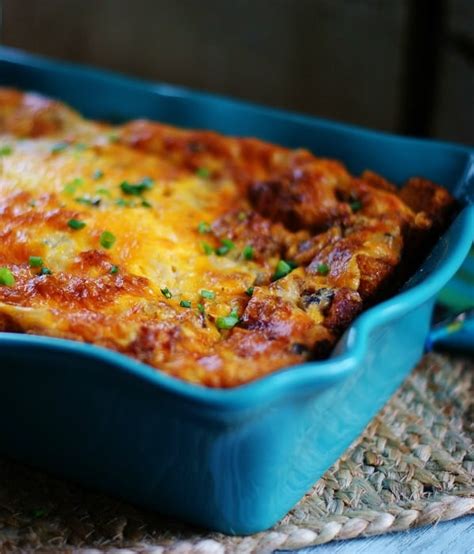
(214, 259)
(299, 295)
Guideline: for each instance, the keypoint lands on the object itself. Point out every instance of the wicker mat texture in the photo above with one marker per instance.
(414, 465)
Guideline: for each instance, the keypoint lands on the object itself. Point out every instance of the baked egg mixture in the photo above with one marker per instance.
(214, 259)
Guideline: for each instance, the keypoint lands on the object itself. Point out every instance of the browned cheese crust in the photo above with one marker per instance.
(214, 259)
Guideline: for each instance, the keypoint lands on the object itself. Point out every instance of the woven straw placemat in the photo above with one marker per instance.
(414, 465)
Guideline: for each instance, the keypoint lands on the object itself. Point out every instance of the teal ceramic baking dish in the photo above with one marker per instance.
(231, 460)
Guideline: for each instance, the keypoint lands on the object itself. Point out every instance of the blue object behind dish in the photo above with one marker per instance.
(231, 460)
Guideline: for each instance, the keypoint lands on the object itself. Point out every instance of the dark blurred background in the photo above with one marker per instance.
(399, 65)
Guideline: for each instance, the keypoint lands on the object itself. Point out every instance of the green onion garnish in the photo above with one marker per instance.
(242, 216)
(123, 202)
(114, 269)
(356, 205)
(113, 137)
(59, 147)
(107, 239)
(128, 188)
(166, 292)
(248, 252)
(87, 201)
(203, 172)
(249, 291)
(208, 250)
(209, 294)
(6, 277)
(146, 204)
(229, 321)
(72, 186)
(146, 182)
(45, 271)
(35, 261)
(5, 150)
(185, 304)
(204, 227)
(282, 270)
(323, 269)
(138, 188)
(103, 191)
(201, 309)
(226, 246)
(76, 224)
(98, 174)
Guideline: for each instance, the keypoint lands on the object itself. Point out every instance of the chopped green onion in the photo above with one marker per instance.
(146, 204)
(201, 309)
(72, 186)
(105, 192)
(59, 147)
(222, 250)
(123, 202)
(166, 292)
(282, 269)
(138, 188)
(249, 291)
(226, 246)
(80, 147)
(323, 269)
(242, 216)
(113, 137)
(185, 304)
(5, 150)
(35, 261)
(228, 243)
(203, 172)
(204, 227)
(45, 271)
(146, 182)
(98, 174)
(6, 277)
(107, 239)
(114, 269)
(208, 250)
(229, 321)
(209, 294)
(38, 512)
(248, 252)
(128, 188)
(87, 201)
(76, 224)
(356, 205)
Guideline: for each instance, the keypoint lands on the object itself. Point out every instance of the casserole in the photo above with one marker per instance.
(214, 259)
(231, 460)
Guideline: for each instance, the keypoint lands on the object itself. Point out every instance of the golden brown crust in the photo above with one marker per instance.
(32, 115)
(230, 258)
(424, 197)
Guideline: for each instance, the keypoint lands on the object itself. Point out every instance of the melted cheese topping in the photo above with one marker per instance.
(225, 259)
